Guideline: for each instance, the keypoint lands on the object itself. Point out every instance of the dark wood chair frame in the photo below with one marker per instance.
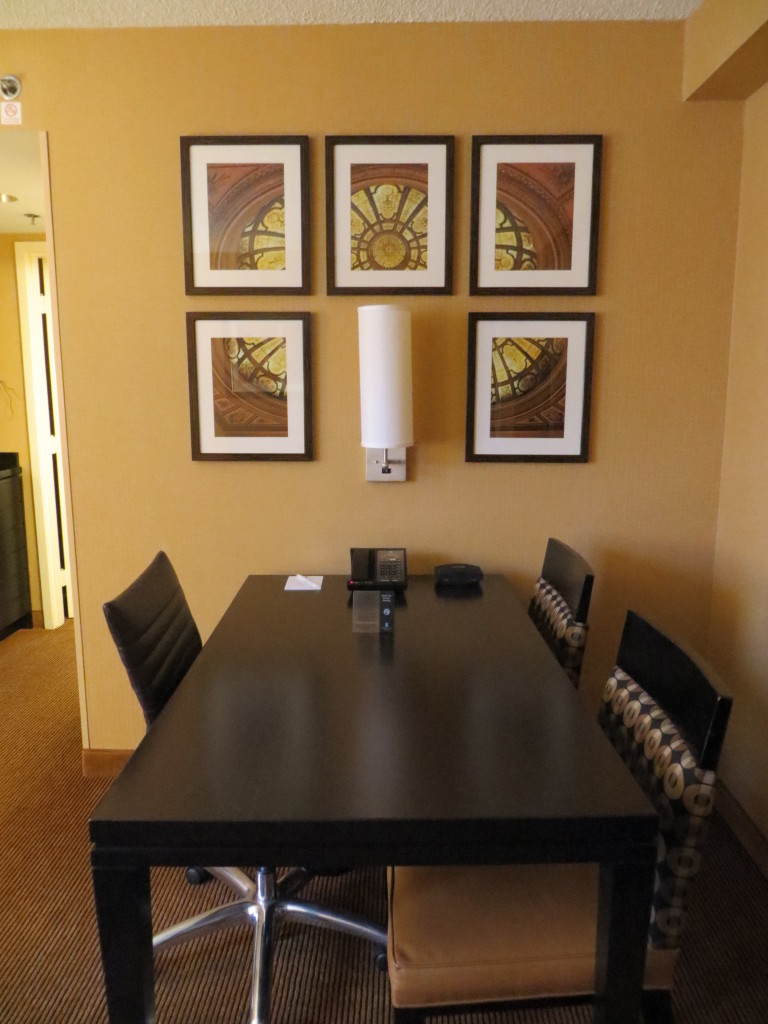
(699, 710)
(570, 574)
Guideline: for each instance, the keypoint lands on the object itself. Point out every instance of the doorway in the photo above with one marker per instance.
(24, 170)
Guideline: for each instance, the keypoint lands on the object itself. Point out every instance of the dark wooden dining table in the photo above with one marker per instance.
(295, 740)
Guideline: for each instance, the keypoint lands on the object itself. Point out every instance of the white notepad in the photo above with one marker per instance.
(299, 582)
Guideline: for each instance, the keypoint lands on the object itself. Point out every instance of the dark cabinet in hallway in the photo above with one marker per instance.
(15, 608)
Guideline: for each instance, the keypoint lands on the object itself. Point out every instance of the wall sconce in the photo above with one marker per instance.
(386, 390)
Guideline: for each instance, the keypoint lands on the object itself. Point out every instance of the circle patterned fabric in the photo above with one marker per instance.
(683, 794)
(556, 622)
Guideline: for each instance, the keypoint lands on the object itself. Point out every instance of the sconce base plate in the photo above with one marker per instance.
(374, 465)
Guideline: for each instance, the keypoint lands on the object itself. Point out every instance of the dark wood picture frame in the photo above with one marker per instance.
(381, 244)
(249, 357)
(535, 212)
(245, 201)
(529, 388)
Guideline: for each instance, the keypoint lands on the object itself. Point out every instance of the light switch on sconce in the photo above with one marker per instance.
(386, 390)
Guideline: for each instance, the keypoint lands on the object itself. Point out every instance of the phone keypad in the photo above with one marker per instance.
(389, 569)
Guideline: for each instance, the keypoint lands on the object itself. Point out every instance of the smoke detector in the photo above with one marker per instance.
(10, 87)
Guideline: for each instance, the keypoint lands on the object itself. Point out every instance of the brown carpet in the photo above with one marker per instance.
(49, 961)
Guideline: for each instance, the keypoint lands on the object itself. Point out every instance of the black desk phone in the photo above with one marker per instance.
(378, 569)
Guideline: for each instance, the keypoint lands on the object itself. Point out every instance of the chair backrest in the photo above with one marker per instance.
(560, 604)
(681, 683)
(664, 714)
(570, 574)
(155, 634)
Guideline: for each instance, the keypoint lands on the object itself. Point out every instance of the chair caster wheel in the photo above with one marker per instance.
(198, 876)
(380, 959)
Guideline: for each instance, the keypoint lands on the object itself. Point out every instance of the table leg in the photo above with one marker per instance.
(124, 916)
(624, 913)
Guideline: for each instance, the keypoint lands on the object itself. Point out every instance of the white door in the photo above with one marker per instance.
(44, 425)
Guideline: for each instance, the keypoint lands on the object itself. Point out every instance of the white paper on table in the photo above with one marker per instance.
(299, 582)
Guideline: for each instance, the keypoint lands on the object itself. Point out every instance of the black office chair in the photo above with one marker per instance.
(158, 641)
(462, 936)
(560, 605)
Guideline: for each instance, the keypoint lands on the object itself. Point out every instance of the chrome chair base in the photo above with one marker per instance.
(263, 902)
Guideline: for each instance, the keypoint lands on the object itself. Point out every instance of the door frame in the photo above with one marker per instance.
(44, 427)
(58, 398)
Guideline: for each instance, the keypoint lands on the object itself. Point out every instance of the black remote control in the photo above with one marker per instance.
(387, 611)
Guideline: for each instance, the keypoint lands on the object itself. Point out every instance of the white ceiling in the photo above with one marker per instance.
(20, 173)
(145, 13)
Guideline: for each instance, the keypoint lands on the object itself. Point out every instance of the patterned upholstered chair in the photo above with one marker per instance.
(497, 934)
(560, 605)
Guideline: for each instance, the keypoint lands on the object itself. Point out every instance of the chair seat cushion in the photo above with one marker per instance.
(494, 933)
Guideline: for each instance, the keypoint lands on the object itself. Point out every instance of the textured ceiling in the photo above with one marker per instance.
(146, 13)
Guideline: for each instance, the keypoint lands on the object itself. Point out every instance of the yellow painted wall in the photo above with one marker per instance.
(644, 509)
(739, 632)
(726, 50)
(13, 416)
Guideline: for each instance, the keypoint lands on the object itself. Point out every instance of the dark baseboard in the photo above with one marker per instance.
(745, 830)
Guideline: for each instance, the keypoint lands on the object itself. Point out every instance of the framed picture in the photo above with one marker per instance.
(534, 218)
(245, 202)
(250, 385)
(529, 383)
(389, 203)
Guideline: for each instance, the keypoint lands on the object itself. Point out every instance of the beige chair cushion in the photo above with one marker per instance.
(492, 933)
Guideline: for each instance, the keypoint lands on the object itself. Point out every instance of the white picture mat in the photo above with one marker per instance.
(491, 155)
(436, 158)
(199, 159)
(570, 443)
(293, 332)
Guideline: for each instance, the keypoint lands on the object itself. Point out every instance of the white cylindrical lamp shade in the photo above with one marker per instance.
(386, 386)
